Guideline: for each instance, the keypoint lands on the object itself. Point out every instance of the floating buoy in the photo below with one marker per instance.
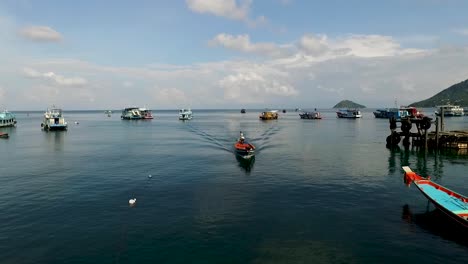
(149, 176)
(77, 123)
(132, 201)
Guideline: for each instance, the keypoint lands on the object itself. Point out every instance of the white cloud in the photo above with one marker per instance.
(2, 95)
(55, 78)
(172, 96)
(41, 33)
(127, 84)
(317, 47)
(224, 8)
(231, 9)
(368, 46)
(461, 31)
(242, 43)
(251, 87)
(298, 80)
(314, 45)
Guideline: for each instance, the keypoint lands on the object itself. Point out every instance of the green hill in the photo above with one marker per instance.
(348, 104)
(456, 94)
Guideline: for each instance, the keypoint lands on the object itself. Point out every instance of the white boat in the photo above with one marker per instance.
(146, 113)
(131, 113)
(450, 110)
(349, 113)
(185, 114)
(53, 120)
(7, 119)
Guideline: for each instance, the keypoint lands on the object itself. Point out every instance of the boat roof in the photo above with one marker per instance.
(131, 108)
(6, 114)
(54, 110)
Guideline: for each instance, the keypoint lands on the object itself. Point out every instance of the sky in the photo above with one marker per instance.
(218, 54)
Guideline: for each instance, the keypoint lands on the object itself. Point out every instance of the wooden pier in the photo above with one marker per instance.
(438, 139)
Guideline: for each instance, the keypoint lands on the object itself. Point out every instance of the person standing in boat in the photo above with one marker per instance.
(242, 138)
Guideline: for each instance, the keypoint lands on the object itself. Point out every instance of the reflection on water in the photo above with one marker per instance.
(55, 139)
(437, 223)
(246, 164)
(417, 160)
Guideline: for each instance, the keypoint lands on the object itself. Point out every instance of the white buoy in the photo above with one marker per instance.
(76, 123)
(132, 201)
(149, 176)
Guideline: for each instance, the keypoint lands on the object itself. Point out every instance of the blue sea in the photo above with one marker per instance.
(317, 191)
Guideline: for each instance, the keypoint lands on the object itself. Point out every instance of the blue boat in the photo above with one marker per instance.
(7, 119)
(452, 204)
(391, 113)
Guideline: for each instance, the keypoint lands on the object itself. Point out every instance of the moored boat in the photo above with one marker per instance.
(146, 113)
(54, 120)
(7, 119)
(185, 114)
(310, 115)
(269, 115)
(131, 113)
(390, 113)
(349, 113)
(450, 110)
(243, 148)
(449, 202)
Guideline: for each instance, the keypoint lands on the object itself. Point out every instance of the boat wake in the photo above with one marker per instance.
(206, 137)
(264, 140)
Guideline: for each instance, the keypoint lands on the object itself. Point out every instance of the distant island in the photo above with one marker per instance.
(456, 94)
(348, 104)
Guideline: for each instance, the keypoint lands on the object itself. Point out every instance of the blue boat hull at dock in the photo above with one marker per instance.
(452, 204)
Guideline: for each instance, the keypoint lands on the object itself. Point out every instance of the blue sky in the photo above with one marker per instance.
(228, 53)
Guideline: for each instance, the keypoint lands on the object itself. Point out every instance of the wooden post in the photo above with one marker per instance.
(425, 140)
(437, 133)
(442, 125)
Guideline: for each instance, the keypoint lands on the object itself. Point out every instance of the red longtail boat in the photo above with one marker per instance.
(243, 148)
(449, 202)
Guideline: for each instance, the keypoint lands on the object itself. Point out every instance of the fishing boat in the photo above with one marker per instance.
(185, 114)
(243, 148)
(146, 113)
(269, 115)
(131, 113)
(4, 135)
(450, 110)
(449, 202)
(411, 112)
(349, 113)
(310, 115)
(54, 120)
(7, 119)
(390, 113)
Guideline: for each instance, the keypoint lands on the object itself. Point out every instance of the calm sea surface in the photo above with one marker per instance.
(318, 191)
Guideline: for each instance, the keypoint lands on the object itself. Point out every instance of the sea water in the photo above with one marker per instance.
(317, 191)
